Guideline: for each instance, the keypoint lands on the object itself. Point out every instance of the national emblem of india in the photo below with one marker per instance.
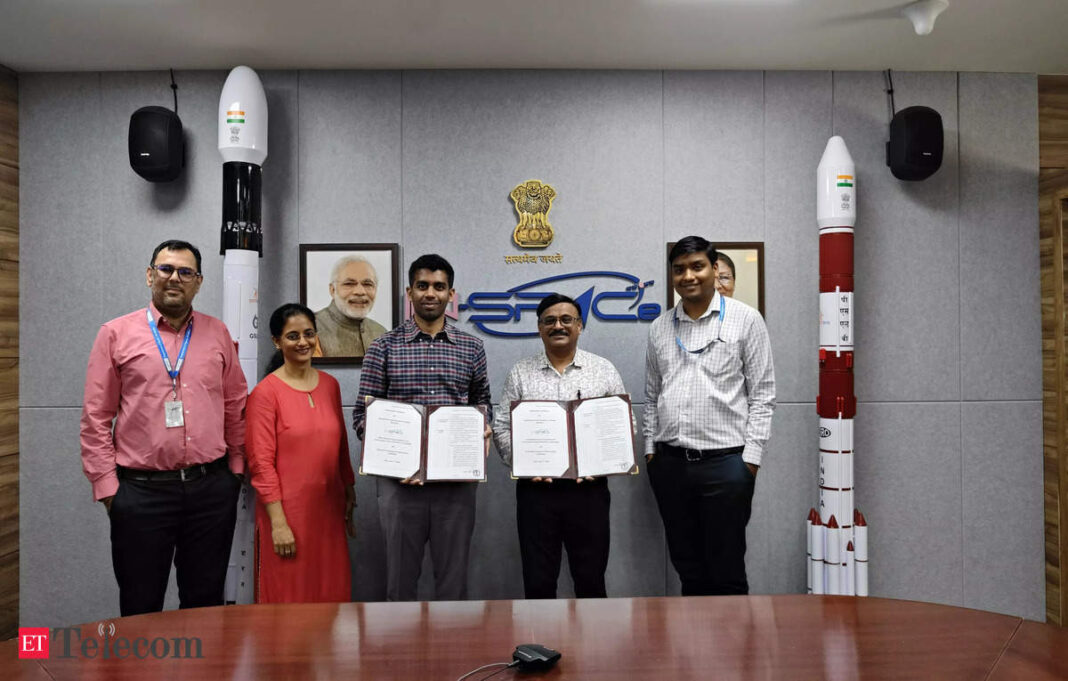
(533, 201)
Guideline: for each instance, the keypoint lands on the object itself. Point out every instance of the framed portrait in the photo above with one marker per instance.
(742, 263)
(354, 290)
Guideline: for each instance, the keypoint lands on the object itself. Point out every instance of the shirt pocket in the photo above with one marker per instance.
(721, 359)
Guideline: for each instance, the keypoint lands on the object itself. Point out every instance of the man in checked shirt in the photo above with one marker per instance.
(710, 393)
(426, 361)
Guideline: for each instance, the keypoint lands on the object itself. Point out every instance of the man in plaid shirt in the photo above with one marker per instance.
(426, 361)
(710, 392)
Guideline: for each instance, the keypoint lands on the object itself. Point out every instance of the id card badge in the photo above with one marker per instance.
(174, 413)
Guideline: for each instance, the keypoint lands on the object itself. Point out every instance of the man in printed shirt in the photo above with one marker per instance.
(710, 393)
(554, 513)
(168, 472)
(426, 361)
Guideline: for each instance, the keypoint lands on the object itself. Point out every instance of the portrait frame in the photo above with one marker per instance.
(748, 258)
(316, 263)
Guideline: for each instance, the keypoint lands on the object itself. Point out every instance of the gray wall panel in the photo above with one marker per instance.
(999, 227)
(349, 133)
(908, 477)
(786, 489)
(65, 573)
(713, 155)
(898, 319)
(797, 124)
(60, 225)
(1002, 511)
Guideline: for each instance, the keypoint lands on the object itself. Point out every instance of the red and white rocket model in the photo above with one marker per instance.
(243, 147)
(830, 531)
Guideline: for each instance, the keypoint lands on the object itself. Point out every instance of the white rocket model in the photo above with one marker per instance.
(836, 404)
(243, 146)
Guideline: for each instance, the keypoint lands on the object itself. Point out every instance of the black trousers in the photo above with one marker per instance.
(705, 506)
(565, 514)
(188, 523)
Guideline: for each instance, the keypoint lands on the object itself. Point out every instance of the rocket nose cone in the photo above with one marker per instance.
(243, 80)
(836, 152)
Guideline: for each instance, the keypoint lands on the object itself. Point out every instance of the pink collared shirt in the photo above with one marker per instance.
(126, 381)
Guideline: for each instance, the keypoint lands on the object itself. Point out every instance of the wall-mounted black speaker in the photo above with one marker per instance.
(914, 151)
(157, 146)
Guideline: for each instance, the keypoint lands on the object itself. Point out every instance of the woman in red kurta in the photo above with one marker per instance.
(298, 455)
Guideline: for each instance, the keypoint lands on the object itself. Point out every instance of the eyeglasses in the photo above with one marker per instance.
(294, 336)
(167, 271)
(724, 278)
(549, 322)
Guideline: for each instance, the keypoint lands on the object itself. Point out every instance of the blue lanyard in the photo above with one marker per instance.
(722, 313)
(172, 372)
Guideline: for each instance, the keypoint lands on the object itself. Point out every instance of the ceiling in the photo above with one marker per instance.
(89, 35)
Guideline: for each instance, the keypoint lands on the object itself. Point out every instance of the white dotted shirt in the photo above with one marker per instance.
(535, 378)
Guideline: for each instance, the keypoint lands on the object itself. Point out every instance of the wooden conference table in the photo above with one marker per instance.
(738, 637)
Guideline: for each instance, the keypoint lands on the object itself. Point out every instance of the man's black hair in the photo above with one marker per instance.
(554, 299)
(432, 262)
(692, 244)
(176, 245)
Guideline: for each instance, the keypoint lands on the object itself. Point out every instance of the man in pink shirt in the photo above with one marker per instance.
(168, 472)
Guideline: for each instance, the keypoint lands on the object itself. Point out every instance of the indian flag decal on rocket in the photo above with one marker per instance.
(239, 117)
(845, 180)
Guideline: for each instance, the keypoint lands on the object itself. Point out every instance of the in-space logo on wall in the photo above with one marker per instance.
(603, 295)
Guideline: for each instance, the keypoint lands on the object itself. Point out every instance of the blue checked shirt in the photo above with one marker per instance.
(408, 365)
(721, 397)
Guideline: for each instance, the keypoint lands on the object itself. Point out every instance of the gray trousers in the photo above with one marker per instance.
(442, 513)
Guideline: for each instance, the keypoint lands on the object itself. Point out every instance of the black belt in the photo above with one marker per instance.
(182, 474)
(600, 480)
(693, 455)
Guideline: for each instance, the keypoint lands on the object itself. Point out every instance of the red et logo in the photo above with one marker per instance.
(33, 643)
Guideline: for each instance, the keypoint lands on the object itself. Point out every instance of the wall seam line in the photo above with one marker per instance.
(663, 239)
(960, 354)
(400, 170)
(764, 150)
(297, 189)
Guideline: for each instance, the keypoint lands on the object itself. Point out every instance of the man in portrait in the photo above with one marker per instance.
(345, 330)
(725, 276)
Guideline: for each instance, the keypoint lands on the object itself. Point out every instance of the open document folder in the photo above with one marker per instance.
(576, 439)
(422, 443)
